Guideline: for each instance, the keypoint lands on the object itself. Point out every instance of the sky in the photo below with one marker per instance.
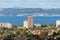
(29, 3)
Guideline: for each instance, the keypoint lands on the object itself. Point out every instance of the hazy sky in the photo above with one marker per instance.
(30, 3)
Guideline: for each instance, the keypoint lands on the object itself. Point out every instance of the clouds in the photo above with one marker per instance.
(30, 3)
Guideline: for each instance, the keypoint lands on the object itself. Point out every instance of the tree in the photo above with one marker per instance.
(44, 34)
(17, 32)
(14, 26)
(54, 34)
(23, 33)
(49, 25)
(8, 38)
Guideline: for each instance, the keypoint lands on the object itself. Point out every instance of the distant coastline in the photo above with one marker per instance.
(29, 11)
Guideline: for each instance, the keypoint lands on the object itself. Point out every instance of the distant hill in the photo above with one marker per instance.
(29, 11)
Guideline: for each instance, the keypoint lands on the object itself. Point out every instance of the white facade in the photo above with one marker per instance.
(6, 25)
(25, 24)
(37, 25)
(57, 23)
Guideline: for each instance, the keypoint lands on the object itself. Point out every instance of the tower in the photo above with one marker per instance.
(30, 21)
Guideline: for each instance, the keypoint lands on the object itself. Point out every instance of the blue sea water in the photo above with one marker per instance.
(18, 20)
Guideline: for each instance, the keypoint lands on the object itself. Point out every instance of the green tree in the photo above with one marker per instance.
(44, 34)
(17, 32)
(23, 33)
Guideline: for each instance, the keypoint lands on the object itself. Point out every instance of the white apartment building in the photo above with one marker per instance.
(25, 24)
(57, 23)
(37, 25)
(6, 25)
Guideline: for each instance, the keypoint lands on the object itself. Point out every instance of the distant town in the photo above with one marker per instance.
(29, 19)
(28, 23)
(30, 31)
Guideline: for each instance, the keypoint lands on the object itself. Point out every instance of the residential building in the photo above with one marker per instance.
(30, 21)
(25, 24)
(37, 25)
(57, 23)
(6, 25)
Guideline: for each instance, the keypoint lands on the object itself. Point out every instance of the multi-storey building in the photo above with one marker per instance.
(6, 25)
(25, 24)
(57, 23)
(30, 21)
(37, 25)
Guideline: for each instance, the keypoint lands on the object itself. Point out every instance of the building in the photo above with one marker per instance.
(6, 25)
(38, 32)
(25, 24)
(30, 21)
(57, 23)
(37, 25)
